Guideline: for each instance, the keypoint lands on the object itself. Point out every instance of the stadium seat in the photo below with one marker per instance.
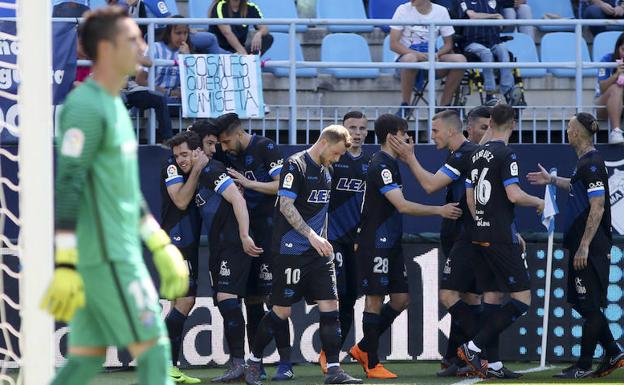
(558, 47)
(199, 9)
(523, 48)
(604, 43)
(383, 9)
(562, 8)
(344, 9)
(93, 4)
(5, 12)
(280, 9)
(279, 51)
(173, 7)
(347, 47)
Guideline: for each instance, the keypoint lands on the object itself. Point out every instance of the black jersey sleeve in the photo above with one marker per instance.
(509, 169)
(592, 175)
(455, 165)
(171, 175)
(384, 178)
(291, 180)
(273, 159)
(215, 176)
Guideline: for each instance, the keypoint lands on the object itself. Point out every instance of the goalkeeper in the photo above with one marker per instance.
(101, 285)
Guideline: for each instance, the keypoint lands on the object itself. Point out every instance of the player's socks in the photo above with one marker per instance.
(456, 338)
(270, 325)
(606, 339)
(464, 318)
(282, 342)
(592, 329)
(492, 348)
(370, 341)
(386, 318)
(329, 331)
(153, 364)
(234, 326)
(499, 321)
(346, 314)
(78, 370)
(175, 326)
(255, 312)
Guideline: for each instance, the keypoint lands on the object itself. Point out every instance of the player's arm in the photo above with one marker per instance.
(543, 177)
(429, 182)
(509, 175)
(470, 198)
(181, 192)
(235, 198)
(269, 188)
(294, 218)
(395, 196)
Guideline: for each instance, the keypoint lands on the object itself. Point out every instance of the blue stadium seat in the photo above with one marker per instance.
(343, 9)
(347, 47)
(173, 7)
(199, 9)
(523, 48)
(4, 12)
(279, 51)
(604, 43)
(280, 9)
(562, 8)
(93, 4)
(558, 47)
(383, 9)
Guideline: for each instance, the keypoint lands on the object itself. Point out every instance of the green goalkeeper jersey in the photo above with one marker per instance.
(97, 189)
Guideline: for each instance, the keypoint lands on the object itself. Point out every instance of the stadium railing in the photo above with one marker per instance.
(430, 66)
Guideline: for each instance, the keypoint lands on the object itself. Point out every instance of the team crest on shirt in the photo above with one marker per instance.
(73, 142)
(162, 7)
(602, 72)
(386, 176)
(172, 171)
(492, 4)
(513, 169)
(288, 180)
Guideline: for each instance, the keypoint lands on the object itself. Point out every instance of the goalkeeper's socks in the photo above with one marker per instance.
(386, 317)
(234, 325)
(255, 312)
(269, 326)
(153, 364)
(78, 370)
(370, 341)
(500, 320)
(175, 326)
(464, 318)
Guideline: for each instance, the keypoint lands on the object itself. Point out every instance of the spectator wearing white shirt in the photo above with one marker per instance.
(410, 42)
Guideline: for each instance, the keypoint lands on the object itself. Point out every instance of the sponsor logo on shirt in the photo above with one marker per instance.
(319, 196)
(616, 197)
(386, 176)
(513, 169)
(288, 180)
(353, 185)
(162, 7)
(172, 171)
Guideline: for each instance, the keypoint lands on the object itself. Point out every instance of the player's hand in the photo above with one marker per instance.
(239, 178)
(540, 178)
(66, 291)
(256, 42)
(199, 159)
(320, 244)
(450, 211)
(580, 258)
(404, 150)
(250, 247)
(174, 274)
(606, 8)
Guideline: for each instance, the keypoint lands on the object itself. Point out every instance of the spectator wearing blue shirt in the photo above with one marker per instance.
(603, 9)
(485, 43)
(609, 91)
(69, 8)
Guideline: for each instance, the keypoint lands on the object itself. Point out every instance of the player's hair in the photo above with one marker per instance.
(502, 116)
(353, 115)
(335, 134)
(450, 118)
(191, 139)
(100, 24)
(478, 113)
(588, 122)
(204, 127)
(165, 36)
(388, 124)
(616, 49)
(228, 123)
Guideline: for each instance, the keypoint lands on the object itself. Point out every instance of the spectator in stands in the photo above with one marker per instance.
(484, 42)
(518, 9)
(603, 9)
(609, 91)
(233, 37)
(69, 8)
(410, 43)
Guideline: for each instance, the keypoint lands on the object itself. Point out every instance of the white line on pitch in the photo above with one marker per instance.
(470, 381)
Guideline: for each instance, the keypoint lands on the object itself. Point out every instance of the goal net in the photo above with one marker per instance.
(26, 195)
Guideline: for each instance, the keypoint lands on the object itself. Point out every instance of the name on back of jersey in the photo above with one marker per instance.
(484, 153)
(352, 185)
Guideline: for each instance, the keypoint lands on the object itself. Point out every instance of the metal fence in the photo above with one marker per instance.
(291, 120)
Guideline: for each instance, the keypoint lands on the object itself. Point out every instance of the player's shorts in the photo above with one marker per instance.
(381, 271)
(121, 306)
(184, 237)
(346, 271)
(229, 270)
(458, 268)
(295, 277)
(587, 288)
(501, 267)
(191, 257)
(260, 274)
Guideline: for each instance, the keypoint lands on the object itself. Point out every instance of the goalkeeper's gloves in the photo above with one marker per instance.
(174, 274)
(66, 292)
